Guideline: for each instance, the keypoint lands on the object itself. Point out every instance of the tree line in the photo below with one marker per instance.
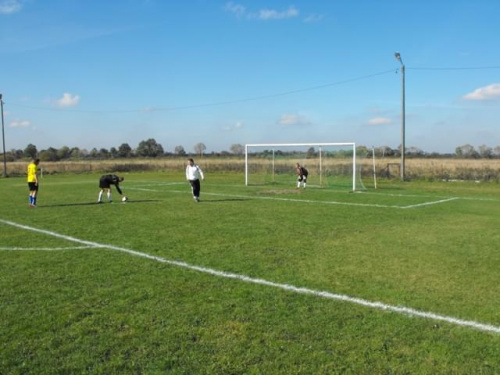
(150, 148)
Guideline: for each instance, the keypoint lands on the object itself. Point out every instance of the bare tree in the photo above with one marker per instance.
(485, 152)
(466, 151)
(199, 148)
(179, 150)
(311, 153)
(496, 151)
(412, 150)
(237, 149)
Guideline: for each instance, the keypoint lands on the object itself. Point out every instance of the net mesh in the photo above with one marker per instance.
(329, 165)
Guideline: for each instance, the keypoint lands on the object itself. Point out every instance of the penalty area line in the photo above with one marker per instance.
(287, 287)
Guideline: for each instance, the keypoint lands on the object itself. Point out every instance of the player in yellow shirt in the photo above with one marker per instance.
(33, 181)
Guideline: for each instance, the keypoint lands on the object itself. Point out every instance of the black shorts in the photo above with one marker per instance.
(103, 184)
(302, 178)
(33, 186)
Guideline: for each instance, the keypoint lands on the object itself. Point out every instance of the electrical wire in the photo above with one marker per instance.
(465, 68)
(192, 106)
(255, 98)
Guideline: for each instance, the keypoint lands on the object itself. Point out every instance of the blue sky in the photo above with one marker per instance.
(85, 73)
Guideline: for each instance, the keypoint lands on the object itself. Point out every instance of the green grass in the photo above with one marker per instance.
(99, 310)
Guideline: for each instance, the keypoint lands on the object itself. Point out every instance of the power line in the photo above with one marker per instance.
(255, 98)
(464, 68)
(213, 104)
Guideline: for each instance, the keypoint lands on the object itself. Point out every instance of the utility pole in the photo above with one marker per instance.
(3, 141)
(397, 55)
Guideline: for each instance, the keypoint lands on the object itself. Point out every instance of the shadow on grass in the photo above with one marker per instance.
(96, 204)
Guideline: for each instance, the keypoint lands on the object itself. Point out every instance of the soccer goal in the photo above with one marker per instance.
(329, 164)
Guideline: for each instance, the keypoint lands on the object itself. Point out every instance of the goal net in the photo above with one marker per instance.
(334, 165)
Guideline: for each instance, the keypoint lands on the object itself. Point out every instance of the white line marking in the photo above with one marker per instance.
(140, 189)
(293, 200)
(429, 203)
(46, 248)
(165, 184)
(287, 287)
(306, 200)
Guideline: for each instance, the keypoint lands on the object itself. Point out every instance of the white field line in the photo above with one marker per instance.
(301, 200)
(304, 200)
(429, 203)
(165, 183)
(316, 293)
(286, 199)
(323, 202)
(141, 189)
(429, 196)
(46, 248)
(445, 199)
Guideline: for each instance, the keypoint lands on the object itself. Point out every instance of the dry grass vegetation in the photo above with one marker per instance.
(428, 169)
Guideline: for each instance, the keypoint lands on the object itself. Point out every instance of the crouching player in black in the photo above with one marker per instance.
(105, 183)
(302, 175)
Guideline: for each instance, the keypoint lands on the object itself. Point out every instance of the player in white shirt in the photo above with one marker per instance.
(193, 175)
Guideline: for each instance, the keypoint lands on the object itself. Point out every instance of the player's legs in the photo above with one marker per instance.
(32, 193)
(104, 186)
(299, 180)
(195, 187)
(304, 181)
(35, 193)
(101, 192)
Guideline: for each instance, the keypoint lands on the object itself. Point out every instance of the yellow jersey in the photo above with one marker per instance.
(32, 171)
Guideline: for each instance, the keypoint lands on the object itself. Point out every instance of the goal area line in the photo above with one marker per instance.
(310, 201)
(287, 287)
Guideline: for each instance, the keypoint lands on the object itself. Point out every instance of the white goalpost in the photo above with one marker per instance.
(329, 164)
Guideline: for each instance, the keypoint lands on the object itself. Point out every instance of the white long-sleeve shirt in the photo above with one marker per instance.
(194, 172)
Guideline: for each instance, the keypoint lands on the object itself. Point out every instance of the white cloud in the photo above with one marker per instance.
(291, 119)
(10, 6)
(237, 9)
(485, 93)
(264, 14)
(380, 121)
(238, 125)
(20, 124)
(313, 18)
(68, 100)
(271, 14)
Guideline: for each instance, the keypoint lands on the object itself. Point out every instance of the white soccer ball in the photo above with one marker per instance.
(124, 199)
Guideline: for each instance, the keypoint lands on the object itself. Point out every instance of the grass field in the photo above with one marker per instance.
(252, 280)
